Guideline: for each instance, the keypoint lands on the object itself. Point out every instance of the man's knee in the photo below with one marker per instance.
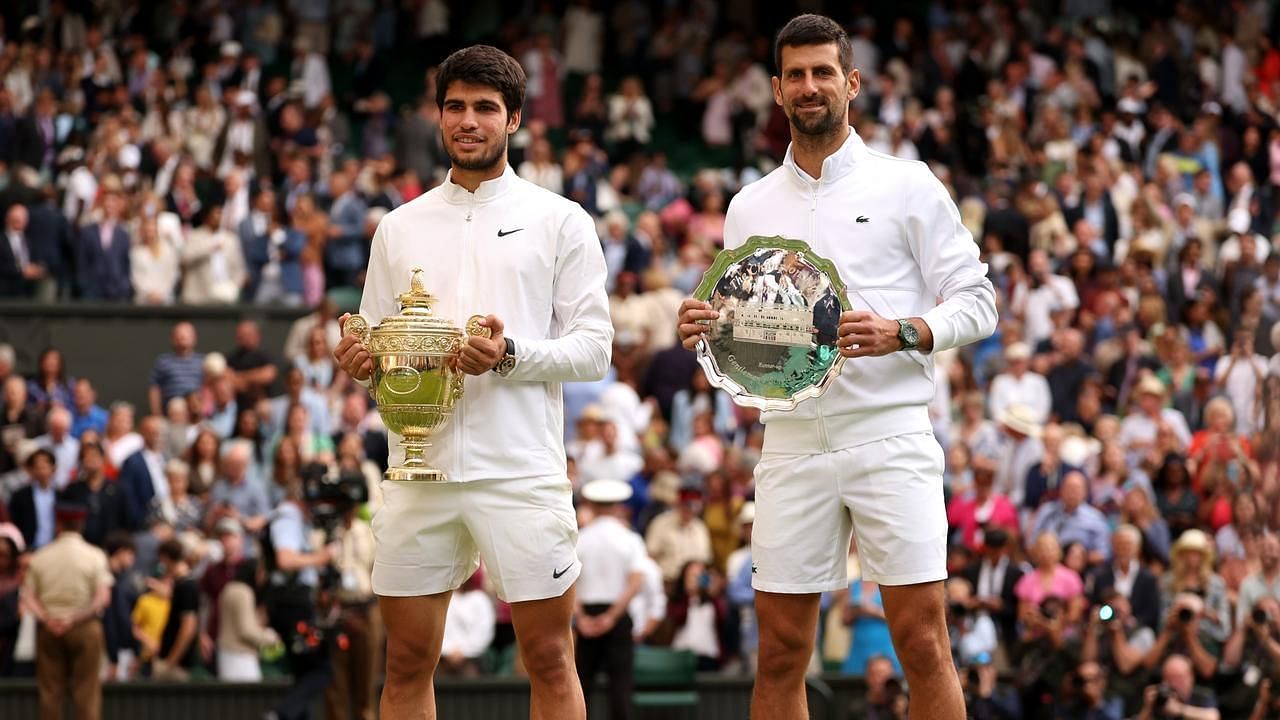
(922, 646)
(784, 652)
(549, 660)
(410, 660)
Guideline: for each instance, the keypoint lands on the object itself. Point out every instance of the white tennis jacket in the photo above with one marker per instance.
(533, 259)
(895, 236)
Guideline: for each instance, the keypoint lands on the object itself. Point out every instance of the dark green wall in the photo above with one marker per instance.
(116, 345)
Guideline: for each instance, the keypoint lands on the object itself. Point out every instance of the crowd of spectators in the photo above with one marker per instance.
(1113, 452)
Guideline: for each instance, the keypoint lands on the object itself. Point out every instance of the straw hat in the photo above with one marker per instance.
(1017, 351)
(1194, 541)
(1150, 385)
(1021, 419)
(665, 487)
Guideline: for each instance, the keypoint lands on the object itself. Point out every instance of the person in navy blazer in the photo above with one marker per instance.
(23, 511)
(136, 479)
(256, 240)
(1144, 591)
(102, 254)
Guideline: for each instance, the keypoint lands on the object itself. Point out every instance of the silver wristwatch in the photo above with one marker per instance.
(508, 361)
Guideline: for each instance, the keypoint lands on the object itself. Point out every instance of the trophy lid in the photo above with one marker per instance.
(416, 313)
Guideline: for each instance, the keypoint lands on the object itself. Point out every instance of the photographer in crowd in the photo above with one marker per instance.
(294, 569)
(1118, 643)
(1177, 696)
(352, 693)
(1087, 696)
(1198, 621)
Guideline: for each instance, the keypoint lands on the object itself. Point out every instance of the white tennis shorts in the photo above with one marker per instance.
(807, 506)
(430, 537)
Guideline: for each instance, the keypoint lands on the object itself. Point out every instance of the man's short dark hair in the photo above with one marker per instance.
(484, 65)
(118, 540)
(814, 30)
(40, 453)
(172, 550)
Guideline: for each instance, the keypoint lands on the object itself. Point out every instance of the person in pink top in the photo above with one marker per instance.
(981, 507)
(1050, 579)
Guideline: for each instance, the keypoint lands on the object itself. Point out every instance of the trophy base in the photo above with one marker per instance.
(414, 474)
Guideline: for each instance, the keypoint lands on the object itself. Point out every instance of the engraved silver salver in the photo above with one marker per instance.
(774, 344)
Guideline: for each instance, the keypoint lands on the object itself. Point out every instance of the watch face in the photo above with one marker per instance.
(910, 336)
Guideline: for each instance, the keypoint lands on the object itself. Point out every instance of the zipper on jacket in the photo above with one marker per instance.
(813, 213)
(459, 410)
(824, 440)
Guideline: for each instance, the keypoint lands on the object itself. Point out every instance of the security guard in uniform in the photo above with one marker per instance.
(612, 557)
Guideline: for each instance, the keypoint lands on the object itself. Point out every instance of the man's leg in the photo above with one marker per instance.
(415, 629)
(546, 646)
(586, 657)
(917, 622)
(337, 695)
(85, 645)
(364, 641)
(52, 668)
(620, 654)
(788, 631)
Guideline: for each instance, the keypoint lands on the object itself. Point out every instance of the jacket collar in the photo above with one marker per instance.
(488, 190)
(836, 165)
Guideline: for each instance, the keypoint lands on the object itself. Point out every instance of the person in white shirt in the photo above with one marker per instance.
(468, 629)
(213, 267)
(613, 571)
(1139, 429)
(1049, 293)
(486, 241)
(1021, 451)
(649, 607)
(821, 461)
(1239, 376)
(58, 440)
(1019, 384)
(614, 460)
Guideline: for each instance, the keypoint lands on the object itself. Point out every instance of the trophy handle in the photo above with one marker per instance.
(358, 328)
(474, 328)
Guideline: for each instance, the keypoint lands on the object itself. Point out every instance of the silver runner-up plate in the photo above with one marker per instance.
(774, 344)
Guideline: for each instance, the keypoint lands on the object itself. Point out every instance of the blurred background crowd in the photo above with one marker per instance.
(1113, 464)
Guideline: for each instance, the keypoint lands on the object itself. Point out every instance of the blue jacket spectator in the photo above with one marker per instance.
(272, 252)
(102, 258)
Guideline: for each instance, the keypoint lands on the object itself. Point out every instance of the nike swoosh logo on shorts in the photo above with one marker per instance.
(555, 574)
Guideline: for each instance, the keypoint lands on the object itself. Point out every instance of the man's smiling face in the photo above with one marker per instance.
(813, 90)
(475, 124)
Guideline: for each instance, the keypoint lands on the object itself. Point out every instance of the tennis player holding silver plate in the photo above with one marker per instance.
(861, 457)
(773, 344)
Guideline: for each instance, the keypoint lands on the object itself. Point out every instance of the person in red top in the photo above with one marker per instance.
(1219, 444)
(981, 507)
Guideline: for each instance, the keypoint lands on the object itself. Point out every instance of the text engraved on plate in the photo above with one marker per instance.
(773, 324)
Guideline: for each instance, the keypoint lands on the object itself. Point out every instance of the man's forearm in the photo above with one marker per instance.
(33, 606)
(581, 356)
(620, 606)
(1197, 713)
(1204, 663)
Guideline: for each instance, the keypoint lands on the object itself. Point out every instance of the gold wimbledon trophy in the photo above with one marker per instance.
(415, 379)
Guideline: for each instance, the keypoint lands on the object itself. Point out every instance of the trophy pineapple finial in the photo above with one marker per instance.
(417, 297)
